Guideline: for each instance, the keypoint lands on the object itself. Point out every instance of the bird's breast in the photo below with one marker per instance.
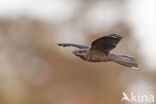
(98, 57)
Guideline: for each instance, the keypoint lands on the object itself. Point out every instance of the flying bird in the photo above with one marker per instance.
(100, 51)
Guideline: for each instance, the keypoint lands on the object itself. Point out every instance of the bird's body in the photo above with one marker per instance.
(100, 51)
(98, 56)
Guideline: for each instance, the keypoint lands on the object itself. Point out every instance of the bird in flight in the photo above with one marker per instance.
(100, 51)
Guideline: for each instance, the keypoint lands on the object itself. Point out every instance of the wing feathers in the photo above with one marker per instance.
(73, 45)
(106, 43)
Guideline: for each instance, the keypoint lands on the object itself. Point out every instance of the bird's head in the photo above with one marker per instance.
(81, 53)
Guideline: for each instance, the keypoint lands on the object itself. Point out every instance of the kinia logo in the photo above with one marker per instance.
(138, 98)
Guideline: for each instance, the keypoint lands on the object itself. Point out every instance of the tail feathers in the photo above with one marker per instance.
(127, 61)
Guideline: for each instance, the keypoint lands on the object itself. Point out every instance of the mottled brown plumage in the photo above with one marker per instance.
(100, 51)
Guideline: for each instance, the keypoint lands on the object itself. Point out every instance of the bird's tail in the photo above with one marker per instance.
(127, 61)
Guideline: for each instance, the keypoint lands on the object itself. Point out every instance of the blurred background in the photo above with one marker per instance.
(34, 70)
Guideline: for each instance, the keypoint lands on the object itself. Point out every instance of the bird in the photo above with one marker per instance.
(100, 51)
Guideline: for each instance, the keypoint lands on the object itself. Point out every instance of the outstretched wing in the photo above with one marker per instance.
(73, 45)
(106, 43)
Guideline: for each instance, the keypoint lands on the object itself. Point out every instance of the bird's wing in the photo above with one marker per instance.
(73, 45)
(106, 43)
